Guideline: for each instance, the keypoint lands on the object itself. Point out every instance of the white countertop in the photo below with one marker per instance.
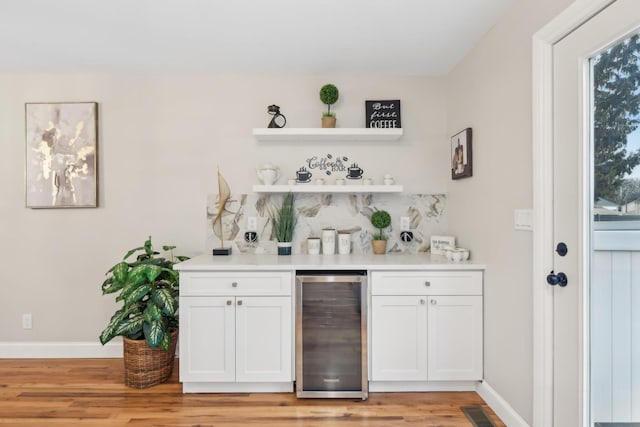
(274, 262)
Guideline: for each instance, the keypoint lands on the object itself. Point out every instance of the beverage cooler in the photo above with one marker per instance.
(331, 334)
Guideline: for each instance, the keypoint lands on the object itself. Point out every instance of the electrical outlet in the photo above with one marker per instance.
(405, 223)
(252, 223)
(27, 321)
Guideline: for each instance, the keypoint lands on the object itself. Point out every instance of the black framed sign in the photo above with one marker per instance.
(461, 155)
(383, 114)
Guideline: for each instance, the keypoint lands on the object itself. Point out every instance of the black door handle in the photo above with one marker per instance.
(559, 279)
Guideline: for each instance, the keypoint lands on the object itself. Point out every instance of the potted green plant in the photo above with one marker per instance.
(148, 319)
(380, 220)
(283, 220)
(329, 95)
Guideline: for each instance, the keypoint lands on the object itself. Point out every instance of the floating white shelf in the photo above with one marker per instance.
(327, 134)
(312, 188)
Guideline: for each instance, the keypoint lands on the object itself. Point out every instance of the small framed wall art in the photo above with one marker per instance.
(461, 155)
(439, 242)
(383, 114)
(61, 150)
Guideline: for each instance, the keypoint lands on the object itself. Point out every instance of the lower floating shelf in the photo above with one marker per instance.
(312, 188)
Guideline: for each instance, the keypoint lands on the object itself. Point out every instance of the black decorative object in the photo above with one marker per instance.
(461, 155)
(303, 175)
(221, 251)
(406, 236)
(278, 120)
(383, 114)
(354, 171)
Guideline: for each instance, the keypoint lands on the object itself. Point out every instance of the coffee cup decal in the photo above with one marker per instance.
(354, 172)
(303, 175)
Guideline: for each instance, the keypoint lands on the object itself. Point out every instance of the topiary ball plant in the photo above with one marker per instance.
(329, 95)
(380, 220)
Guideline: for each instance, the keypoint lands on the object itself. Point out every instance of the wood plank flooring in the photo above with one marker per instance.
(90, 392)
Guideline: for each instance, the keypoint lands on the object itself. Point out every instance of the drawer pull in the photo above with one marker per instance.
(234, 284)
(422, 301)
(427, 283)
(228, 302)
(240, 302)
(434, 302)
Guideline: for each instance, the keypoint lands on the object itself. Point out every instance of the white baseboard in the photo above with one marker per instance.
(500, 406)
(59, 350)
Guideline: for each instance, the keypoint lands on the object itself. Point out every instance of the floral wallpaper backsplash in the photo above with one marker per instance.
(343, 212)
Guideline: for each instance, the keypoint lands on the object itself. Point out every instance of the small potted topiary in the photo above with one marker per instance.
(329, 95)
(283, 220)
(380, 220)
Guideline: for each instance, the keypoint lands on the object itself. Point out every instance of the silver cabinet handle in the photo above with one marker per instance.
(234, 284)
(434, 302)
(240, 302)
(228, 302)
(422, 301)
(427, 283)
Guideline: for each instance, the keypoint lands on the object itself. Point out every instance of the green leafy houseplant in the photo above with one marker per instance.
(148, 288)
(284, 219)
(329, 95)
(380, 220)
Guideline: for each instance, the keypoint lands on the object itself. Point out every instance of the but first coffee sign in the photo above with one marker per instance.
(383, 114)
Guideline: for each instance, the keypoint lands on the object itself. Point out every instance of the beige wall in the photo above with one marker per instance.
(161, 138)
(490, 91)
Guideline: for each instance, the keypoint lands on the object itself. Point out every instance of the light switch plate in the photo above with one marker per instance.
(405, 223)
(252, 223)
(523, 219)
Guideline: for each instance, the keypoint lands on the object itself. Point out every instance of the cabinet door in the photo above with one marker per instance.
(207, 339)
(263, 339)
(455, 338)
(398, 338)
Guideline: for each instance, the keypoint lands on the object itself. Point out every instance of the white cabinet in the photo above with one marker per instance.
(454, 338)
(398, 338)
(426, 326)
(231, 335)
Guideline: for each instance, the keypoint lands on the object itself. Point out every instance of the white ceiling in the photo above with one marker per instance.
(408, 37)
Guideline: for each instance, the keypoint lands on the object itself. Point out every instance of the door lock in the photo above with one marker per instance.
(562, 249)
(559, 279)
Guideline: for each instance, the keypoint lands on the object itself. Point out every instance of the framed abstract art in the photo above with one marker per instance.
(61, 155)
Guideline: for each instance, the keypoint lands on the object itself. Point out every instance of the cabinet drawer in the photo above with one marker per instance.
(235, 283)
(426, 283)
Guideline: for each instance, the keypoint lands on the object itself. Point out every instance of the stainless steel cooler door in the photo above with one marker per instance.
(331, 336)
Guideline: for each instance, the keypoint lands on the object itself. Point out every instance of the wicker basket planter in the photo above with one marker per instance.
(145, 366)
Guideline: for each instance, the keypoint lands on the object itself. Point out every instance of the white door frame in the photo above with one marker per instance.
(543, 41)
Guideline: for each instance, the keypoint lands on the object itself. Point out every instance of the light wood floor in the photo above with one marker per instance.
(90, 392)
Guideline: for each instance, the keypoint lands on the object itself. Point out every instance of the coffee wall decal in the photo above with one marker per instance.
(329, 164)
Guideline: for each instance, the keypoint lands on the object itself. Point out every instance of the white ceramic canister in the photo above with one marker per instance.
(313, 245)
(344, 243)
(329, 241)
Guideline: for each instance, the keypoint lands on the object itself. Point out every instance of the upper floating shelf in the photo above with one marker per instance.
(327, 134)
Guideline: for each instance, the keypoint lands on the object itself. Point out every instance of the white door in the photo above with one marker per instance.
(454, 342)
(572, 210)
(398, 338)
(207, 339)
(263, 339)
